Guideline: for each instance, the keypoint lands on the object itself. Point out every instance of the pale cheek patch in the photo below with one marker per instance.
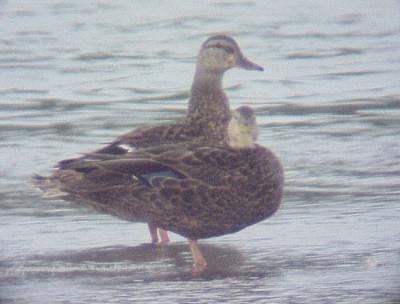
(233, 133)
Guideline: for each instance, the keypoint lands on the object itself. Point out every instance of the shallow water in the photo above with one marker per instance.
(76, 74)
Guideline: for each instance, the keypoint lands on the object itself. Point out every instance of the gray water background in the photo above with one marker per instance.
(75, 74)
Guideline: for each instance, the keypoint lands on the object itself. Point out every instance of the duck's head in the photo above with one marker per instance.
(220, 53)
(242, 128)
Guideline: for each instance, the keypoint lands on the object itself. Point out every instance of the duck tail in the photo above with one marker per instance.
(46, 185)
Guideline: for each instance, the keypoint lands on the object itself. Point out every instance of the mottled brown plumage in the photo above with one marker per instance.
(183, 177)
(208, 111)
(209, 190)
(195, 188)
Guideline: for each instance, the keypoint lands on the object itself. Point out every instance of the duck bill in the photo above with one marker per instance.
(246, 64)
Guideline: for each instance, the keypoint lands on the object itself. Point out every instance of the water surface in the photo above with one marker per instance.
(77, 74)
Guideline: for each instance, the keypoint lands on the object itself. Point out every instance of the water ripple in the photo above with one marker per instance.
(326, 53)
(76, 74)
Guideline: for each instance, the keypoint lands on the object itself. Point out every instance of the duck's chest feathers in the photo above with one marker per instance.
(209, 115)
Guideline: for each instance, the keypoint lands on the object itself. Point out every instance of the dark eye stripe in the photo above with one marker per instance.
(226, 48)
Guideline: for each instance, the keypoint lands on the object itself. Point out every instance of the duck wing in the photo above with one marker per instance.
(143, 137)
(195, 191)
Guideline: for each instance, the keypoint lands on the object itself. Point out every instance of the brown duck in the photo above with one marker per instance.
(208, 112)
(193, 188)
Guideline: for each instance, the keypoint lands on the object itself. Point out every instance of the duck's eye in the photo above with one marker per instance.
(229, 49)
(226, 48)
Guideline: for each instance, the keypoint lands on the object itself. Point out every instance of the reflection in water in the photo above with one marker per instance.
(147, 262)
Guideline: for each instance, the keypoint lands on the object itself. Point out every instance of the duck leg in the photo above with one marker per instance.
(163, 236)
(153, 233)
(199, 261)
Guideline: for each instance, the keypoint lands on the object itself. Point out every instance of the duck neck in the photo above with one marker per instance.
(207, 81)
(242, 141)
(208, 114)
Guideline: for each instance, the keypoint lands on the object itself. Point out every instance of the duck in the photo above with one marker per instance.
(196, 189)
(208, 110)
